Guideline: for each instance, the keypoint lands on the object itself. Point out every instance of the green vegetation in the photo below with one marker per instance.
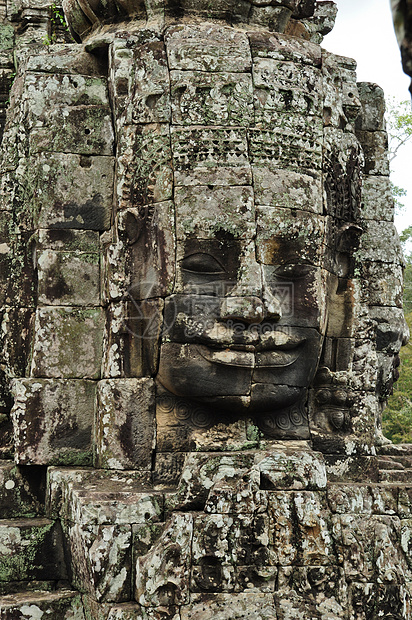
(58, 26)
(397, 417)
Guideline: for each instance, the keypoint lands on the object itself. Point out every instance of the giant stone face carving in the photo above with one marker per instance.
(200, 288)
(228, 175)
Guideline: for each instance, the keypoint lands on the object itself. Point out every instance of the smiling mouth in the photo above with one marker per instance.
(251, 356)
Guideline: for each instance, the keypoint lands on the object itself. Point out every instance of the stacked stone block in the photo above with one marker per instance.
(121, 158)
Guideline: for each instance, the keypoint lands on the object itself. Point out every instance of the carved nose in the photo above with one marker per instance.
(272, 306)
(251, 309)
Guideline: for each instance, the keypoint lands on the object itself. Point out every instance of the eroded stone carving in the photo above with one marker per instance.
(201, 317)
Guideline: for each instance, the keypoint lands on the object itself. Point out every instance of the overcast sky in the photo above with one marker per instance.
(364, 31)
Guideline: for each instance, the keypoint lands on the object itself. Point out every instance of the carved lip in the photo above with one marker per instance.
(250, 356)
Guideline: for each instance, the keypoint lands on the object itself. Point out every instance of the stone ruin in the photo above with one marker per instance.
(201, 314)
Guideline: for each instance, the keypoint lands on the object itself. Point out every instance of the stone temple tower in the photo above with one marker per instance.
(200, 306)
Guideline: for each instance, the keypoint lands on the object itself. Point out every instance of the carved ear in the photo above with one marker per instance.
(348, 237)
(347, 242)
(134, 223)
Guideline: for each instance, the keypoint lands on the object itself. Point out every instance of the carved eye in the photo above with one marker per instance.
(293, 271)
(202, 263)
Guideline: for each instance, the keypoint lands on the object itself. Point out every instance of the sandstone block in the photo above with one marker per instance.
(291, 469)
(375, 150)
(368, 600)
(144, 165)
(16, 337)
(362, 499)
(405, 502)
(287, 189)
(31, 549)
(231, 553)
(327, 588)
(370, 548)
(300, 528)
(61, 605)
(16, 497)
(385, 283)
(76, 190)
(210, 156)
(202, 48)
(125, 427)
(101, 560)
(68, 279)
(150, 97)
(170, 585)
(285, 89)
(64, 483)
(67, 342)
(150, 260)
(66, 59)
(377, 198)
(230, 607)
(199, 211)
(280, 148)
(281, 47)
(373, 107)
(380, 242)
(85, 130)
(200, 98)
(46, 93)
(49, 427)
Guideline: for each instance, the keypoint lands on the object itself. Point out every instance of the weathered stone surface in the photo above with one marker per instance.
(377, 199)
(200, 98)
(319, 591)
(31, 549)
(162, 575)
(373, 107)
(244, 317)
(87, 204)
(86, 130)
(48, 427)
(101, 560)
(64, 605)
(375, 149)
(17, 498)
(144, 165)
(285, 188)
(67, 342)
(197, 209)
(65, 484)
(370, 599)
(369, 548)
(125, 424)
(210, 156)
(150, 98)
(380, 242)
(227, 606)
(192, 49)
(69, 279)
(362, 499)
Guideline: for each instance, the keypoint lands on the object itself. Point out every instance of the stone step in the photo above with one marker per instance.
(32, 549)
(396, 475)
(18, 495)
(395, 449)
(42, 605)
(391, 463)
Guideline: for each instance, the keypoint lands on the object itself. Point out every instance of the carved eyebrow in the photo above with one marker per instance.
(202, 262)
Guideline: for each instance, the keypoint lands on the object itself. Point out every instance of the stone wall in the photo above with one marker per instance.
(142, 479)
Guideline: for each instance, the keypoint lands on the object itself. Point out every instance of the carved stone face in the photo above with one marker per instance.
(246, 322)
